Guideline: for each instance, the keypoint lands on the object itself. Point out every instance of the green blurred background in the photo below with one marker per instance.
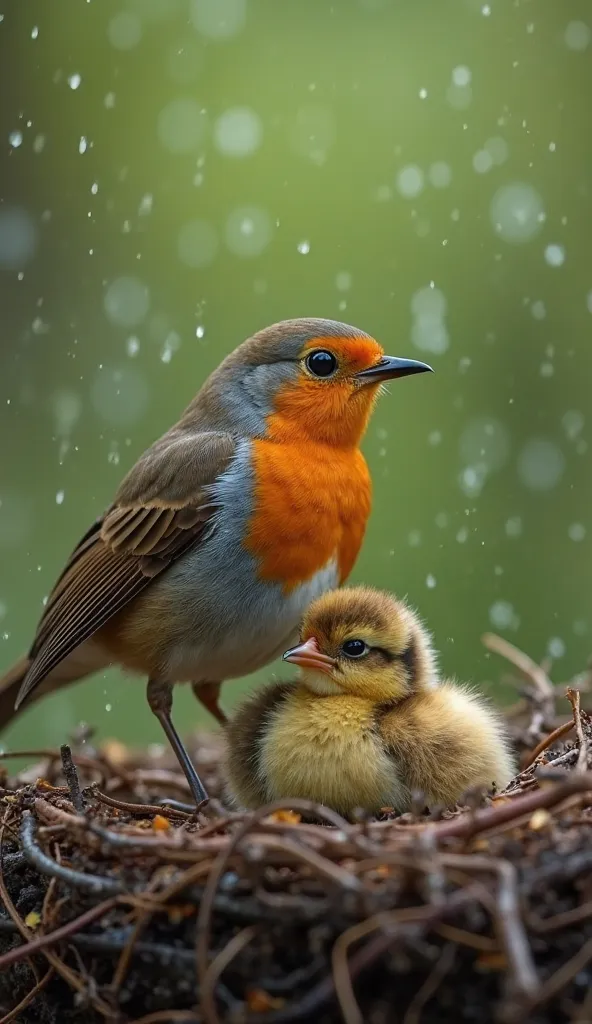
(176, 174)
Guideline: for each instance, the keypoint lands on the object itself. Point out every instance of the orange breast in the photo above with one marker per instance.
(311, 504)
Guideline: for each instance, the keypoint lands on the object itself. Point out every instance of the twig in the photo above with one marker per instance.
(548, 741)
(42, 942)
(468, 825)
(573, 697)
(69, 976)
(215, 969)
(508, 920)
(544, 691)
(561, 978)
(443, 965)
(207, 902)
(26, 1000)
(144, 810)
(47, 866)
(71, 777)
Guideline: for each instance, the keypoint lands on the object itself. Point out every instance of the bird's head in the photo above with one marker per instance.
(365, 643)
(317, 378)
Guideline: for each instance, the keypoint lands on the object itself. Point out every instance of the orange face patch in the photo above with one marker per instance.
(353, 354)
(332, 410)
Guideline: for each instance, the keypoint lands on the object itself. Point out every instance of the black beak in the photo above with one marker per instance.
(390, 367)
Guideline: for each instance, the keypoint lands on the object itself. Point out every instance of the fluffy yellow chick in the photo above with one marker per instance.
(368, 722)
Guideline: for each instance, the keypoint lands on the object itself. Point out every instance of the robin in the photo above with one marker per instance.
(226, 528)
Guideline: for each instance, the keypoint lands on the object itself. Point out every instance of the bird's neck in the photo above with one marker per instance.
(335, 417)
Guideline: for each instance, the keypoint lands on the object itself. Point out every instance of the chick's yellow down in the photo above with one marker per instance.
(368, 722)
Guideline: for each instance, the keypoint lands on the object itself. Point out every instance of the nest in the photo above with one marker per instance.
(119, 905)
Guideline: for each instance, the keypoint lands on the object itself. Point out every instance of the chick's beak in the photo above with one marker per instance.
(309, 655)
(390, 367)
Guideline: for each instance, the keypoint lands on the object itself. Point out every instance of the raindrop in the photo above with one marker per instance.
(577, 35)
(498, 149)
(132, 346)
(66, 406)
(15, 138)
(556, 647)
(472, 480)
(428, 301)
(18, 237)
(485, 441)
(514, 526)
(540, 464)
(303, 247)
(197, 244)
(482, 161)
(430, 334)
(343, 281)
(440, 174)
(124, 30)
(555, 255)
(171, 345)
(248, 231)
(516, 212)
(459, 96)
(219, 19)
(126, 301)
(74, 81)
(502, 615)
(238, 132)
(461, 75)
(430, 581)
(60, 498)
(576, 532)
(538, 309)
(573, 423)
(182, 125)
(410, 181)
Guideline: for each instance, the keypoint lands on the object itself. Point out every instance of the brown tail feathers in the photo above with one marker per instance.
(10, 684)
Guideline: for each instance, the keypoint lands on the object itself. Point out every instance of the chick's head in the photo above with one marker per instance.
(365, 643)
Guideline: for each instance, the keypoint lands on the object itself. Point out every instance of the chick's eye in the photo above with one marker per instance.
(355, 648)
(321, 363)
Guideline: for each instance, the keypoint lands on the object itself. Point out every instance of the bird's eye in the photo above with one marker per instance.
(321, 363)
(355, 648)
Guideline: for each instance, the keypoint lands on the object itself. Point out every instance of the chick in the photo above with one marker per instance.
(368, 722)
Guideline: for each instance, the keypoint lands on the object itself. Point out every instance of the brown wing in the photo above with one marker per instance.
(162, 508)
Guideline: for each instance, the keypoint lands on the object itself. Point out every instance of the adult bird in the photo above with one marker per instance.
(226, 528)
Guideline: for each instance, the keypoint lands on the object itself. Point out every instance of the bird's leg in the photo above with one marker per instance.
(160, 699)
(208, 694)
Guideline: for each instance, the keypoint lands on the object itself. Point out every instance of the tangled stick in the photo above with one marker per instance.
(263, 918)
